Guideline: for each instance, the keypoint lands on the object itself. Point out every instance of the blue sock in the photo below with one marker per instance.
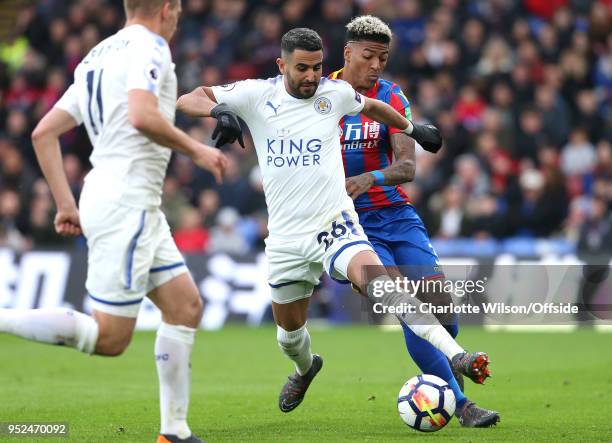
(432, 361)
(453, 329)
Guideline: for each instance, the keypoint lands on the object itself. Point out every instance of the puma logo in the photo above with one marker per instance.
(275, 109)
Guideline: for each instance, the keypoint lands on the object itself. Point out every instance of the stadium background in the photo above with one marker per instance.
(520, 90)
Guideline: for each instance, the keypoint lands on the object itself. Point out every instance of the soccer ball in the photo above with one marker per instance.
(426, 403)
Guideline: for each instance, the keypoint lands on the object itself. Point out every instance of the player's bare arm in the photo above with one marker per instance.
(201, 102)
(45, 139)
(197, 103)
(428, 136)
(144, 115)
(384, 113)
(400, 171)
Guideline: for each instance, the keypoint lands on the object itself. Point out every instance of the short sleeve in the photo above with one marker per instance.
(150, 60)
(70, 103)
(239, 96)
(351, 101)
(400, 103)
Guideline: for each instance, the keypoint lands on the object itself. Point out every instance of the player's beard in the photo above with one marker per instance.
(298, 88)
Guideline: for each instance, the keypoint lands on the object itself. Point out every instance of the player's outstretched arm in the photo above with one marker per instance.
(45, 139)
(201, 102)
(144, 115)
(428, 136)
(197, 103)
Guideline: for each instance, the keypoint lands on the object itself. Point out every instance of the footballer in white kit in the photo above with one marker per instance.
(124, 92)
(131, 250)
(312, 225)
(312, 221)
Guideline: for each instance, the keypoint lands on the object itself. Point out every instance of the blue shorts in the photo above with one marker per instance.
(399, 238)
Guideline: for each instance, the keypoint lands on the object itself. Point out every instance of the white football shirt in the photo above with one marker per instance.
(298, 148)
(127, 166)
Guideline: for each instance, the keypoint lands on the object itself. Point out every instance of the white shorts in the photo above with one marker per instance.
(131, 252)
(296, 265)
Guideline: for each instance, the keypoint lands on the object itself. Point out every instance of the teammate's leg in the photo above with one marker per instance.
(101, 334)
(115, 333)
(172, 289)
(56, 326)
(181, 306)
(108, 332)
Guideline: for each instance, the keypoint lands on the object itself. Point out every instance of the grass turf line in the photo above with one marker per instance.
(548, 387)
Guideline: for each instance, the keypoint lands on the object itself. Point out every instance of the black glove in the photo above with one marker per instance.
(428, 136)
(228, 127)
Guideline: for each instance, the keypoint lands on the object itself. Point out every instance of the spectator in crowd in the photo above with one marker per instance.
(486, 218)
(470, 178)
(543, 206)
(588, 115)
(261, 45)
(16, 173)
(253, 200)
(232, 192)
(473, 40)
(555, 115)
(469, 108)
(190, 235)
(408, 25)
(74, 174)
(578, 156)
(451, 220)
(174, 202)
(208, 206)
(39, 224)
(10, 208)
(530, 134)
(225, 236)
(496, 59)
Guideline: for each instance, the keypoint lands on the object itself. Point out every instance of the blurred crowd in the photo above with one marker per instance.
(521, 90)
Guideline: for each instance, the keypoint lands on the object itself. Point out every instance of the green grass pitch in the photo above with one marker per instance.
(547, 386)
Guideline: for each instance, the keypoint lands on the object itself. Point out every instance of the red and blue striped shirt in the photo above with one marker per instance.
(366, 146)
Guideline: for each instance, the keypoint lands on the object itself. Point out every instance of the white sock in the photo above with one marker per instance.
(173, 359)
(56, 326)
(425, 326)
(296, 346)
(439, 337)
